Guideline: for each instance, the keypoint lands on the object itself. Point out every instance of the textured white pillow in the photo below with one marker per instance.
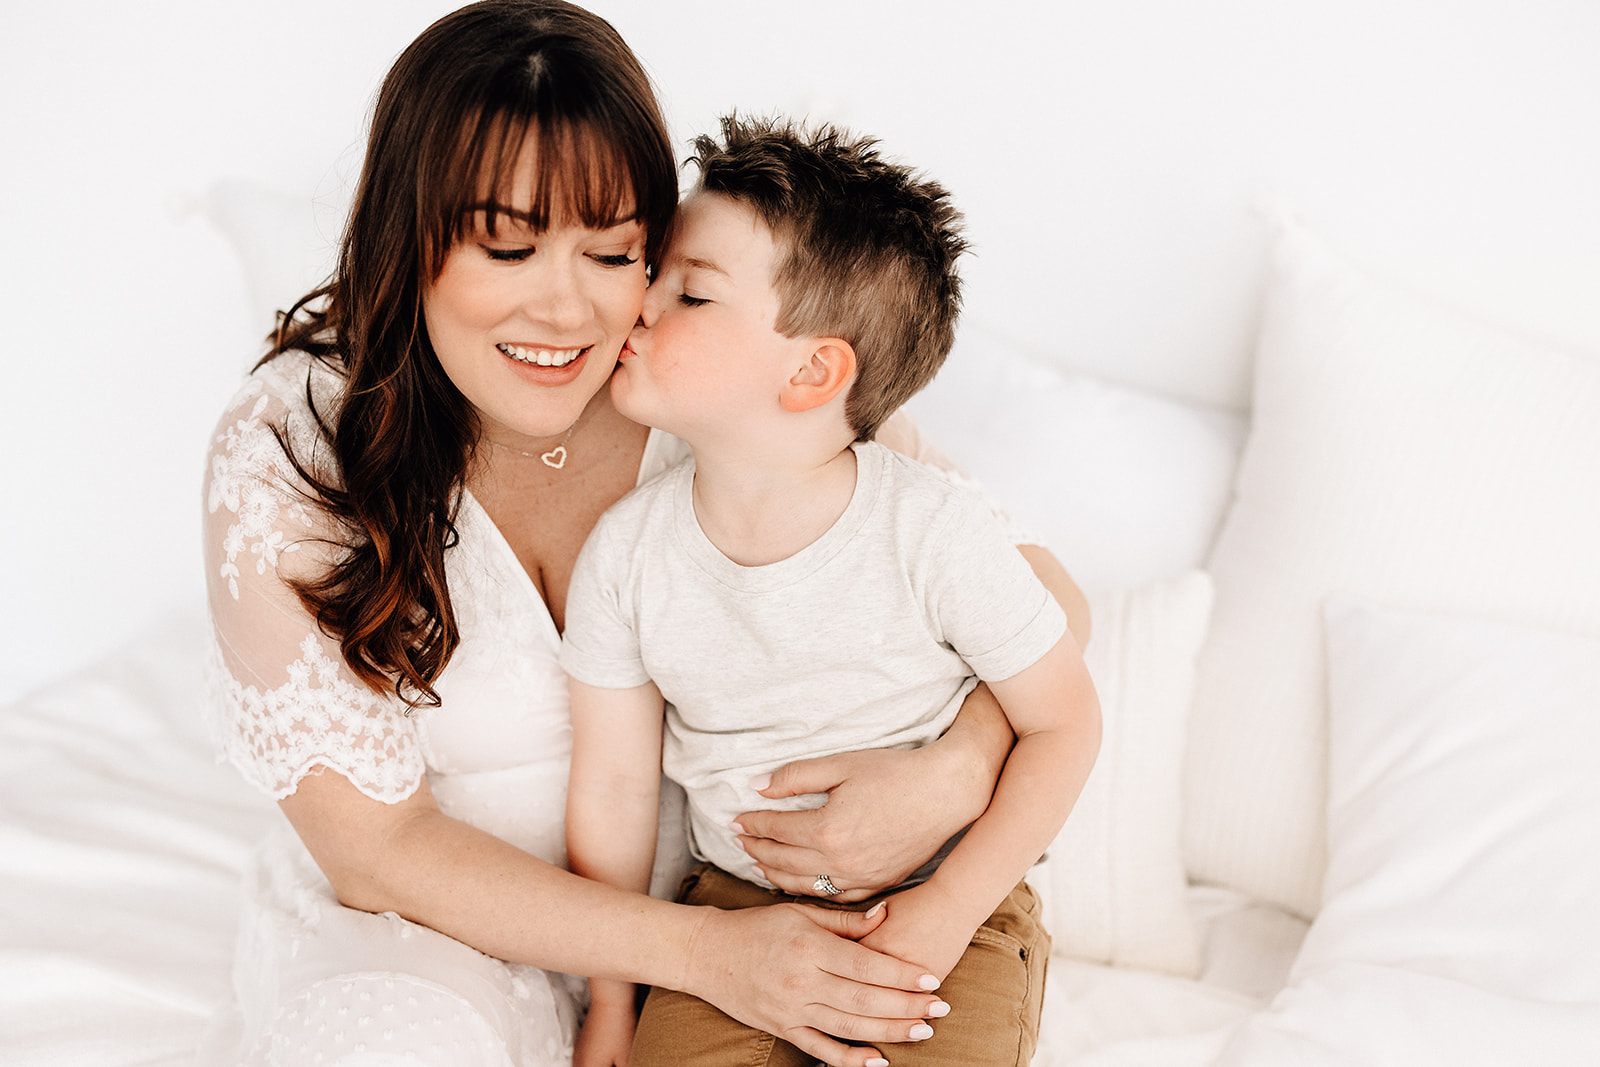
(1114, 889)
(1460, 924)
(1122, 485)
(1400, 453)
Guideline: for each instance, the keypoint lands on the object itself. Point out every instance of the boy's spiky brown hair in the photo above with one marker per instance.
(867, 250)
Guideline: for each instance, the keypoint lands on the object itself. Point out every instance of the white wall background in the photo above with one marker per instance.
(1108, 156)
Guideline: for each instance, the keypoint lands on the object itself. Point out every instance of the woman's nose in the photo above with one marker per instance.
(557, 297)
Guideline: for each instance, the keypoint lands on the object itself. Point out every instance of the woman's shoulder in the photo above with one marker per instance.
(290, 401)
(292, 389)
(258, 502)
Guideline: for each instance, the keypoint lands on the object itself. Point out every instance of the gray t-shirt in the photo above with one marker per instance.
(870, 637)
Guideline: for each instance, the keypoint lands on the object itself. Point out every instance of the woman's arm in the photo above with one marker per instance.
(787, 969)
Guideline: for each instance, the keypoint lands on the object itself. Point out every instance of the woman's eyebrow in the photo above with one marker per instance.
(527, 218)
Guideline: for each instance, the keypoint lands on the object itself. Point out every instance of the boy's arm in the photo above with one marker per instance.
(613, 801)
(1053, 709)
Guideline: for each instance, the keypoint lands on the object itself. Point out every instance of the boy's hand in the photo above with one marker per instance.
(606, 1039)
(923, 927)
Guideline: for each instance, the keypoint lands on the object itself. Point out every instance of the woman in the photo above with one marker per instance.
(396, 499)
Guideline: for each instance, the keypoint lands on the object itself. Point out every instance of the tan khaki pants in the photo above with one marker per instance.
(995, 993)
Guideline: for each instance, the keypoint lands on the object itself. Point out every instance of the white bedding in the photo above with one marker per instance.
(122, 843)
(121, 847)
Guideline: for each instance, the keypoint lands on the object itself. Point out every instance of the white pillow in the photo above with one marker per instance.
(1463, 803)
(1460, 917)
(1113, 888)
(1400, 453)
(1123, 485)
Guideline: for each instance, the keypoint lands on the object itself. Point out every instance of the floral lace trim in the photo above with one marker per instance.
(316, 719)
(250, 476)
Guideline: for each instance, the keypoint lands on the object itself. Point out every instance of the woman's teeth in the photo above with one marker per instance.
(541, 357)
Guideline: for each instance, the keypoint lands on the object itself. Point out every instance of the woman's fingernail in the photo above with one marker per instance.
(921, 1032)
(872, 912)
(760, 782)
(928, 982)
(938, 1010)
(737, 829)
(877, 1061)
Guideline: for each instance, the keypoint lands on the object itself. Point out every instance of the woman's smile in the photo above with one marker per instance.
(542, 357)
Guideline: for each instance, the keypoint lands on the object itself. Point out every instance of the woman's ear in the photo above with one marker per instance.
(828, 371)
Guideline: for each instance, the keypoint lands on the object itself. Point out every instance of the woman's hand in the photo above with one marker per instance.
(789, 969)
(888, 810)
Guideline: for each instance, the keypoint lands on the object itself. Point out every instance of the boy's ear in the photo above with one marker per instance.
(829, 370)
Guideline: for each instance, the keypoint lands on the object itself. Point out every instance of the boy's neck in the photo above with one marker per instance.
(759, 507)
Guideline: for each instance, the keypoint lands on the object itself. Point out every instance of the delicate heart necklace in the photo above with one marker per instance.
(556, 458)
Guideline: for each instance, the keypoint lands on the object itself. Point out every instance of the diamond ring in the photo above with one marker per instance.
(824, 884)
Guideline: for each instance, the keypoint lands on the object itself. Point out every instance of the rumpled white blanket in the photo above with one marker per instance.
(122, 843)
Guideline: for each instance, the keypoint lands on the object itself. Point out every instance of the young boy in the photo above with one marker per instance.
(795, 589)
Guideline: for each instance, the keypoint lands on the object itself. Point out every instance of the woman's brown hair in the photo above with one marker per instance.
(448, 126)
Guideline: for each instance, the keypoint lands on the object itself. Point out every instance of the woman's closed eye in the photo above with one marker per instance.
(691, 301)
(507, 255)
(518, 255)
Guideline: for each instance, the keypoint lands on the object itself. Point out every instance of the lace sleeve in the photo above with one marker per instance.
(281, 702)
(901, 433)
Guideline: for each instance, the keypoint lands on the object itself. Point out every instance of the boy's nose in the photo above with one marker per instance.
(650, 310)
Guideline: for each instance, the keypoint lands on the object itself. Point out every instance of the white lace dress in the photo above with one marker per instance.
(319, 983)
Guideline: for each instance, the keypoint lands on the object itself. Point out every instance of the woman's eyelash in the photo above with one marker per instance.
(517, 255)
(691, 301)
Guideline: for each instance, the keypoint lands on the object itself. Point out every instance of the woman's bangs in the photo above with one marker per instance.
(578, 176)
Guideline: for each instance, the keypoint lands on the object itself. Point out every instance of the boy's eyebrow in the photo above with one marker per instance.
(703, 264)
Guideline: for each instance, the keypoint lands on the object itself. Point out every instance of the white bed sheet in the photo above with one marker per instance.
(122, 843)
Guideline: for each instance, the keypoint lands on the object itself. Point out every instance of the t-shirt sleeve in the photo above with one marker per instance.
(986, 600)
(601, 644)
(902, 433)
(281, 702)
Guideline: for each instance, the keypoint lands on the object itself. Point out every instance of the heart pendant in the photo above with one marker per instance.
(556, 457)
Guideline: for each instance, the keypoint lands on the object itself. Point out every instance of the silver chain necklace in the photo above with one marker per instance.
(556, 458)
